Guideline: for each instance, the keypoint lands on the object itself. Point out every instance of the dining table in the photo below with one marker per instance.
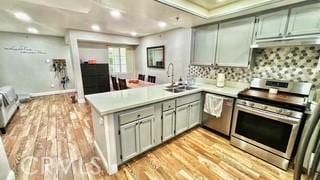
(135, 83)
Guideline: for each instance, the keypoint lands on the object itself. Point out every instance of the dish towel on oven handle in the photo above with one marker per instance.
(213, 105)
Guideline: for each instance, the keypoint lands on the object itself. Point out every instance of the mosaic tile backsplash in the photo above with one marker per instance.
(282, 63)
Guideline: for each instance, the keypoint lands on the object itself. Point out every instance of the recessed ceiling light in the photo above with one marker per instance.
(33, 30)
(22, 16)
(133, 34)
(95, 27)
(162, 24)
(115, 13)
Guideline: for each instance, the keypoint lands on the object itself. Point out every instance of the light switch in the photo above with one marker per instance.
(101, 121)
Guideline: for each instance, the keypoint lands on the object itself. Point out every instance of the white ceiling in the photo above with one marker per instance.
(54, 17)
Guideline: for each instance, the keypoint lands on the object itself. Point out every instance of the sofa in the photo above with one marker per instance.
(7, 109)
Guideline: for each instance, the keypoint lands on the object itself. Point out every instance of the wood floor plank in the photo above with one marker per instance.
(61, 133)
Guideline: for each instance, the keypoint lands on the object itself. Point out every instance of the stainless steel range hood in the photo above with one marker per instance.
(287, 41)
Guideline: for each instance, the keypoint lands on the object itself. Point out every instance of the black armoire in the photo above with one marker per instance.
(95, 78)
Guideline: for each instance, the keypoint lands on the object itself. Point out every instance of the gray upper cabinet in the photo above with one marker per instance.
(129, 134)
(182, 118)
(272, 25)
(195, 109)
(234, 40)
(204, 41)
(168, 122)
(146, 133)
(304, 20)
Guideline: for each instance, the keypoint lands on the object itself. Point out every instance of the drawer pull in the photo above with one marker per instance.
(138, 115)
(169, 106)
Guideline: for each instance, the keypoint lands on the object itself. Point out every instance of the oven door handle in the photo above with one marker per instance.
(277, 117)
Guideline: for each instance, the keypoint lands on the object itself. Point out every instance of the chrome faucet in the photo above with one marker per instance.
(170, 75)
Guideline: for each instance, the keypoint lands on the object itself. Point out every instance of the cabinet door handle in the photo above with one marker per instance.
(280, 34)
(169, 106)
(289, 33)
(138, 115)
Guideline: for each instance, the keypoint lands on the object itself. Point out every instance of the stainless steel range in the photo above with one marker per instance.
(266, 125)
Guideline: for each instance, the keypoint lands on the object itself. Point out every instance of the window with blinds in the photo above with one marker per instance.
(117, 58)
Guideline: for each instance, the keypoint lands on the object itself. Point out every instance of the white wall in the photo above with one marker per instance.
(23, 62)
(93, 51)
(73, 37)
(177, 50)
(4, 164)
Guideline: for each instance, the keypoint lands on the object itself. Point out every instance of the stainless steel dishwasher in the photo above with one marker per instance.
(221, 124)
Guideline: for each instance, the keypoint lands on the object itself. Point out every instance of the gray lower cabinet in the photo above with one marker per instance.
(304, 20)
(146, 133)
(168, 122)
(129, 134)
(194, 118)
(143, 128)
(187, 116)
(136, 137)
(182, 118)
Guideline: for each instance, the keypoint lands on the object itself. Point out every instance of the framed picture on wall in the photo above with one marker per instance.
(155, 57)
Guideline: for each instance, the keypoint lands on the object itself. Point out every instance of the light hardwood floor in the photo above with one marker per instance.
(54, 128)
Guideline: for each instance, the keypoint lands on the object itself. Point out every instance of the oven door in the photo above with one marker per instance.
(269, 131)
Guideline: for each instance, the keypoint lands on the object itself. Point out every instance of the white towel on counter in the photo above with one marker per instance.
(213, 105)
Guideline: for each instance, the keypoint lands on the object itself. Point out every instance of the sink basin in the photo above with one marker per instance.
(174, 90)
(178, 88)
(186, 87)
(172, 86)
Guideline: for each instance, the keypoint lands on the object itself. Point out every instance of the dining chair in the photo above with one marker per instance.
(114, 83)
(122, 83)
(152, 79)
(141, 77)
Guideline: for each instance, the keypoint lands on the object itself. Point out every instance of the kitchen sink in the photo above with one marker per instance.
(175, 90)
(178, 88)
(186, 87)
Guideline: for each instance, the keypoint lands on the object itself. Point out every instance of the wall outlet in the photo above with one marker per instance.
(101, 121)
(52, 85)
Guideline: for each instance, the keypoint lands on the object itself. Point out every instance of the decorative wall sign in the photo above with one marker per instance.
(24, 50)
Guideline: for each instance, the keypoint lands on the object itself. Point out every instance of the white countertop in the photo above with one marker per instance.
(115, 101)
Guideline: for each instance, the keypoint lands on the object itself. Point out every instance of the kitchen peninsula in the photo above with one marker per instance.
(129, 122)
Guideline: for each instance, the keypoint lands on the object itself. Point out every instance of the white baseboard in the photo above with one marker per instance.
(111, 170)
(11, 176)
(81, 101)
(52, 92)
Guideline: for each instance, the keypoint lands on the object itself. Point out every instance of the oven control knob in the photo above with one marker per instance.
(287, 113)
(280, 111)
(264, 107)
